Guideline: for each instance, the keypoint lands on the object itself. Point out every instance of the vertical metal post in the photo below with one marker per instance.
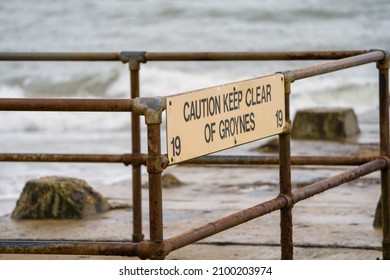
(138, 236)
(152, 108)
(383, 67)
(155, 188)
(286, 226)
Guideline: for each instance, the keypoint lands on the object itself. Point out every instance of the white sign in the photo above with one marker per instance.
(213, 119)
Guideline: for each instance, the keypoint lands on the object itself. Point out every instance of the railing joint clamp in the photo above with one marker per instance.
(154, 250)
(134, 159)
(387, 159)
(288, 198)
(288, 77)
(156, 164)
(133, 58)
(151, 108)
(384, 64)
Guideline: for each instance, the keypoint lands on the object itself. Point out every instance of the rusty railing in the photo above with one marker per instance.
(157, 247)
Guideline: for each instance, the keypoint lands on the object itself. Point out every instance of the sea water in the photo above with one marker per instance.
(164, 26)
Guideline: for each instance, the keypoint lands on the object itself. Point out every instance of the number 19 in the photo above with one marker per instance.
(176, 146)
(279, 118)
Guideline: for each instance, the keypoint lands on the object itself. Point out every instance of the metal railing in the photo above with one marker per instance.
(157, 247)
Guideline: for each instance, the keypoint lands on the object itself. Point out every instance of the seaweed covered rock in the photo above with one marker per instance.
(168, 181)
(325, 124)
(58, 198)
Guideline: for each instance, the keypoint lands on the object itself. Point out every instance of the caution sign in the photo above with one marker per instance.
(213, 119)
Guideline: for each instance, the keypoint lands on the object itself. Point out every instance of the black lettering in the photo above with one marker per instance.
(203, 109)
(195, 110)
(221, 130)
(263, 95)
(237, 125)
(249, 93)
(243, 124)
(209, 131)
(225, 103)
(231, 101)
(252, 121)
(268, 92)
(258, 95)
(211, 103)
(237, 98)
(227, 131)
(185, 114)
(232, 126)
(214, 105)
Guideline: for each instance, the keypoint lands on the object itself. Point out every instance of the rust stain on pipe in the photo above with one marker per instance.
(66, 105)
(127, 159)
(69, 248)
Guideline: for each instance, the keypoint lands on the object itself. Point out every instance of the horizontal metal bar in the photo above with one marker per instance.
(69, 248)
(66, 105)
(177, 56)
(227, 222)
(215, 56)
(127, 159)
(59, 56)
(337, 65)
(273, 160)
(337, 180)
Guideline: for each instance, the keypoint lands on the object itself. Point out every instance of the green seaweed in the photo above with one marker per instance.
(58, 198)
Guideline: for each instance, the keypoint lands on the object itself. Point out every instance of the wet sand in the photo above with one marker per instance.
(336, 224)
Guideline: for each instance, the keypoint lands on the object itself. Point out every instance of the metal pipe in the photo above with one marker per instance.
(155, 187)
(59, 56)
(183, 56)
(272, 160)
(286, 224)
(138, 236)
(140, 159)
(337, 180)
(68, 248)
(383, 68)
(337, 65)
(127, 159)
(66, 105)
(234, 56)
(225, 223)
